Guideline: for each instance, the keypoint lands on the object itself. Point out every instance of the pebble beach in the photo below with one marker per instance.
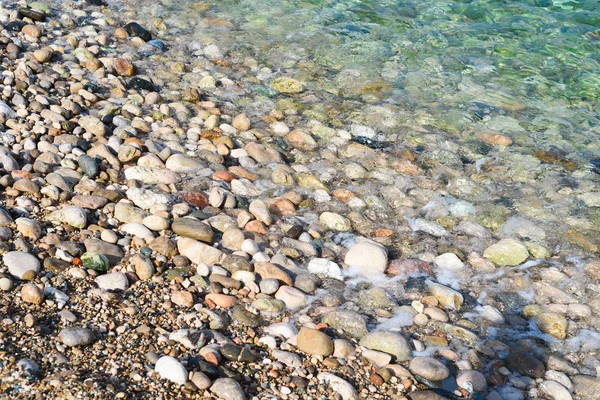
(182, 219)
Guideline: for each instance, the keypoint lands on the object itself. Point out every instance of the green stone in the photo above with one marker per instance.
(97, 262)
(507, 252)
(287, 85)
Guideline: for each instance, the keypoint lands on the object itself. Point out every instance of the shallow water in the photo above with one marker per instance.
(526, 68)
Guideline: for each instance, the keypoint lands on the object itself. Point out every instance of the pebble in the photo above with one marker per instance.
(19, 263)
(475, 378)
(388, 342)
(292, 297)
(368, 257)
(76, 336)
(554, 390)
(113, 281)
(227, 389)
(171, 369)
(31, 293)
(327, 268)
(339, 385)
(314, 342)
(507, 252)
(429, 368)
(335, 221)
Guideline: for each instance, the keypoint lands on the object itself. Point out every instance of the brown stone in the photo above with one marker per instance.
(221, 300)
(195, 199)
(592, 269)
(31, 293)
(241, 122)
(343, 195)
(281, 206)
(182, 298)
(267, 270)
(407, 267)
(32, 30)
(121, 33)
(164, 246)
(256, 227)
(124, 67)
(242, 173)
(494, 139)
(223, 175)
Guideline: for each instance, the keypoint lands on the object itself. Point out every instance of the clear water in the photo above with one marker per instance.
(527, 68)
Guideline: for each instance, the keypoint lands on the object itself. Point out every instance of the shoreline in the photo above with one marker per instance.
(245, 237)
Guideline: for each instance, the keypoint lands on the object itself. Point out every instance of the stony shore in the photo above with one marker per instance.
(160, 240)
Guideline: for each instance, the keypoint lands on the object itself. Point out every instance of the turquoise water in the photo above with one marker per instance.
(529, 69)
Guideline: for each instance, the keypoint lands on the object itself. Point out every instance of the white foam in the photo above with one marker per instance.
(398, 321)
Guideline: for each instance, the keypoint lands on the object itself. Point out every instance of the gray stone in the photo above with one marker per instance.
(586, 387)
(111, 251)
(76, 336)
(429, 368)
(388, 342)
(113, 281)
(227, 389)
(350, 322)
(19, 263)
(194, 229)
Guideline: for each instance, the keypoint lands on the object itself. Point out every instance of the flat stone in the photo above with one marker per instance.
(127, 213)
(182, 298)
(171, 369)
(287, 358)
(89, 202)
(270, 306)
(111, 251)
(221, 300)
(165, 246)
(525, 363)
(586, 387)
(429, 368)
(271, 271)
(19, 263)
(292, 297)
(448, 261)
(146, 199)
(507, 252)
(388, 342)
(339, 385)
(335, 222)
(554, 390)
(76, 336)
(449, 298)
(324, 267)
(137, 229)
(350, 322)
(72, 215)
(227, 389)
(287, 85)
(194, 229)
(552, 323)
(245, 317)
(183, 163)
(315, 342)
(113, 281)
(199, 252)
(152, 175)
